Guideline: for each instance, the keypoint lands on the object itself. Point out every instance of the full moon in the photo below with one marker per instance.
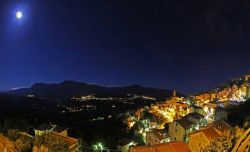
(19, 15)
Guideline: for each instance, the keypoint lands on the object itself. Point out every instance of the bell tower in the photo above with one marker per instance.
(174, 93)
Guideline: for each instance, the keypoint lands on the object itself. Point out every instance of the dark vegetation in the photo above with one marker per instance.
(239, 115)
(44, 108)
(24, 114)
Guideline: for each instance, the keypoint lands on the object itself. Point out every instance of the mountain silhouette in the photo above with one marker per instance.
(68, 89)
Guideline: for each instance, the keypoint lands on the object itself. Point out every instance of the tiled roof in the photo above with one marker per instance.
(159, 133)
(166, 147)
(188, 120)
(194, 115)
(210, 133)
(185, 123)
(222, 125)
(69, 140)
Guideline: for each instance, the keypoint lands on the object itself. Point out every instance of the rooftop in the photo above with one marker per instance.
(69, 140)
(188, 120)
(222, 125)
(210, 133)
(159, 133)
(166, 147)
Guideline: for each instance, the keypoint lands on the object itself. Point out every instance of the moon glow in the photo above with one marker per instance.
(19, 15)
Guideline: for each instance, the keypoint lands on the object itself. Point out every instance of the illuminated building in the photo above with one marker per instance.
(202, 138)
(247, 90)
(157, 136)
(170, 110)
(209, 110)
(197, 109)
(179, 129)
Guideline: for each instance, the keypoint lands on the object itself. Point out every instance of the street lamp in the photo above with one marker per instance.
(98, 147)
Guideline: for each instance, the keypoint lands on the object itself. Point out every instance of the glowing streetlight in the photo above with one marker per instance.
(98, 147)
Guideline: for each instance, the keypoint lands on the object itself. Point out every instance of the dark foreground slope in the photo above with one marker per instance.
(103, 123)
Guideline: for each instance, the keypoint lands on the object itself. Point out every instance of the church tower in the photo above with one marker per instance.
(174, 93)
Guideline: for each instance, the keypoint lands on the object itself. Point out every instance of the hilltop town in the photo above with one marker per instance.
(214, 120)
(201, 122)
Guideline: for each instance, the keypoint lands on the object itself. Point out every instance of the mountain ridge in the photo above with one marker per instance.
(70, 88)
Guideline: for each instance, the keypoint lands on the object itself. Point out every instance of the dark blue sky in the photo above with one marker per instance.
(176, 44)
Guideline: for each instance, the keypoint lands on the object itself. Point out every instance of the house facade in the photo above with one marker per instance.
(202, 138)
(157, 136)
(179, 129)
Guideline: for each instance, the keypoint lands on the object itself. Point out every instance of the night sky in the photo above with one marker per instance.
(187, 45)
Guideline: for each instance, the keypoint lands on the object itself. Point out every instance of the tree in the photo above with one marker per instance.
(6, 145)
(21, 141)
(237, 132)
(16, 124)
(12, 134)
(221, 144)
